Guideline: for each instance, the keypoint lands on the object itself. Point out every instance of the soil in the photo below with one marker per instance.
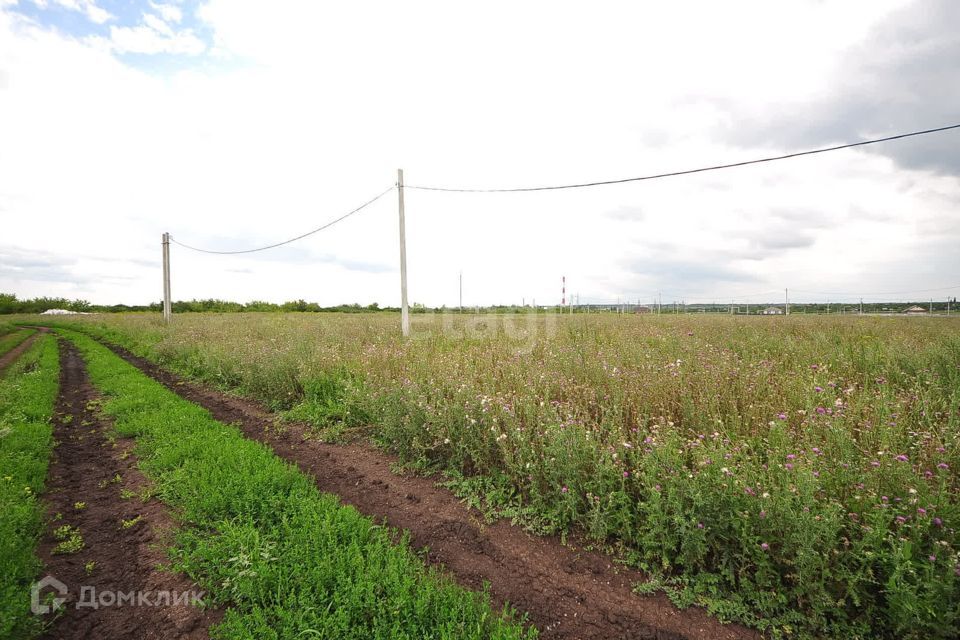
(566, 592)
(10, 356)
(85, 467)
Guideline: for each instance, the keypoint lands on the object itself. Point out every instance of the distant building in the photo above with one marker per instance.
(772, 311)
(915, 311)
(641, 309)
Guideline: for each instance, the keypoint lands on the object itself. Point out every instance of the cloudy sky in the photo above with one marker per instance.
(233, 124)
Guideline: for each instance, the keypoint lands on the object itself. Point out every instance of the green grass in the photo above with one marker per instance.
(12, 338)
(798, 474)
(260, 538)
(27, 396)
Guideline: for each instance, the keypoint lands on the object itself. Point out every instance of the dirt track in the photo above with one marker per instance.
(84, 468)
(10, 356)
(566, 593)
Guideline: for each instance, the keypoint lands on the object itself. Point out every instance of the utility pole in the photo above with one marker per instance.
(461, 292)
(931, 305)
(167, 309)
(404, 310)
(659, 302)
(786, 296)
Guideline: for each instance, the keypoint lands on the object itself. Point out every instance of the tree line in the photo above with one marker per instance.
(9, 303)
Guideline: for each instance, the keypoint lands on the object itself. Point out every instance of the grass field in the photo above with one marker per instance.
(796, 474)
(265, 543)
(27, 394)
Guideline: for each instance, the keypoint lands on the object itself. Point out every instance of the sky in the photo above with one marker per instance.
(234, 124)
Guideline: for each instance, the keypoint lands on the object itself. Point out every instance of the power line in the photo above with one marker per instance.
(689, 171)
(300, 237)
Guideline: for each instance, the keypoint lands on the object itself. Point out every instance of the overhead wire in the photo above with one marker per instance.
(300, 237)
(689, 171)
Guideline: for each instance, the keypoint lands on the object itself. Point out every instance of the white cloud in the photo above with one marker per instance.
(169, 12)
(334, 97)
(89, 8)
(152, 37)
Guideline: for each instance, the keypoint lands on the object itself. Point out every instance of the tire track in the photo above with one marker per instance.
(94, 487)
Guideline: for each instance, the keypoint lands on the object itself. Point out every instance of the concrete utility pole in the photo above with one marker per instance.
(461, 292)
(786, 296)
(404, 310)
(167, 309)
(861, 306)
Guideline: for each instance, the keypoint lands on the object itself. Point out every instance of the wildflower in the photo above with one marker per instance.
(874, 463)
(763, 514)
(699, 525)
(821, 411)
(921, 511)
(902, 458)
(764, 546)
(791, 456)
(816, 450)
(901, 519)
(818, 389)
(563, 489)
(782, 416)
(816, 474)
(943, 465)
(788, 466)
(937, 522)
(626, 474)
(932, 558)
(884, 498)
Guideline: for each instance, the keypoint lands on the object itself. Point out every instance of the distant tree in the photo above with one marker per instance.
(80, 305)
(9, 303)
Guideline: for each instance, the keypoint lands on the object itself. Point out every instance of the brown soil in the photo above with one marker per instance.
(84, 468)
(10, 356)
(566, 592)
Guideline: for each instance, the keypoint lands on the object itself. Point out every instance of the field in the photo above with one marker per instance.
(795, 474)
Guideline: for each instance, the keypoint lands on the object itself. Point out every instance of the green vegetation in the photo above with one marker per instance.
(10, 337)
(27, 396)
(258, 535)
(795, 473)
(69, 539)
